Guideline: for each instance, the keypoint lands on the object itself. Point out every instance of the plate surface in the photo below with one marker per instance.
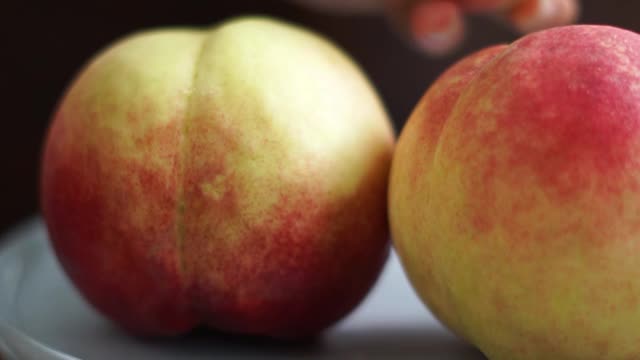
(43, 317)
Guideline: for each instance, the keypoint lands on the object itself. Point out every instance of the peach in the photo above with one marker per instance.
(233, 177)
(515, 196)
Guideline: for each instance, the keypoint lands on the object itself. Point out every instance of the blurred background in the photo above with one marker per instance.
(45, 45)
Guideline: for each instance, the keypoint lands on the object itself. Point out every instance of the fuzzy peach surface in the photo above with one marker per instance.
(515, 196)
(233, 177)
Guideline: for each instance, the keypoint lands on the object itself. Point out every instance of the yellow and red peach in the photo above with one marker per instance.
(233, 177)
(515, 196)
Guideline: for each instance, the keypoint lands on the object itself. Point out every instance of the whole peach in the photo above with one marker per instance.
(233, 177)
(515, 196)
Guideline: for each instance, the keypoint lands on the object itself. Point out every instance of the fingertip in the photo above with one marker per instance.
(437, 27)
(568, 11)
(534, 15)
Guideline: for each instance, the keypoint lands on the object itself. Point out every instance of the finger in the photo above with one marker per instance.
(534, 15)
(433, 26)
(436, 26)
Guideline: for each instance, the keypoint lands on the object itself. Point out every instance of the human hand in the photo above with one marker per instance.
(437, 26)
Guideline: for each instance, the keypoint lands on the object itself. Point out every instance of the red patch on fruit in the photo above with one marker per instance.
(438, 103)
(566, 114)
(302, 267)
(92, 201)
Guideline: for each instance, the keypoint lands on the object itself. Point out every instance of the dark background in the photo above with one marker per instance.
(44, 45)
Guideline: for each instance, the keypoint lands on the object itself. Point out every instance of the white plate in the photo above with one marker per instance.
(43, 317)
